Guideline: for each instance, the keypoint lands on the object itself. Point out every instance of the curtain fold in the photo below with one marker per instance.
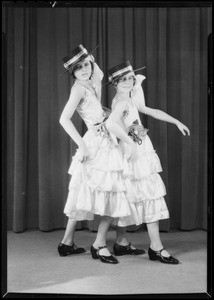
(171, 42)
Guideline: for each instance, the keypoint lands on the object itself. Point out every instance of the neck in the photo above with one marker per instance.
(83, 81)
(123, 94)
(87, 83)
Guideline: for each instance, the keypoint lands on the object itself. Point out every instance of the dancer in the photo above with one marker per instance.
(149, 205)
(96, 185)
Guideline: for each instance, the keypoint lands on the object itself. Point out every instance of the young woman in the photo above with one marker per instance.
(144, 166)
(97, 185)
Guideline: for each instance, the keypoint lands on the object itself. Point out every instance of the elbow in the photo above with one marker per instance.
(61, 121)
(144, 110)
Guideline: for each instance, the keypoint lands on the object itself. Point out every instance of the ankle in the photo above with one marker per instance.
(97, 245)
(67, 243)
(156, 246)
(122, 241)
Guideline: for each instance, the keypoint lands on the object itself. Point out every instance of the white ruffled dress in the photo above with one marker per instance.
(148, 188)
(97, 186)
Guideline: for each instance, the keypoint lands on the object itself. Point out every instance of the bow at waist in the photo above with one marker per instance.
(100, 128)
(104, 119)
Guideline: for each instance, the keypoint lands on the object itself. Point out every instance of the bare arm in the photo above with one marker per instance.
(161, 115)
(67, 113)
(155, 113)
(65, 120)
(97, 78)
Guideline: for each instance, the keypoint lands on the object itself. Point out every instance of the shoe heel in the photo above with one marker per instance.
(152, 254)
(61, 250)
(152, 258)
(94, 253)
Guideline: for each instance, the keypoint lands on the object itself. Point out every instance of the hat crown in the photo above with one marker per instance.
(119, 67)
(77, 54)
(120, 70)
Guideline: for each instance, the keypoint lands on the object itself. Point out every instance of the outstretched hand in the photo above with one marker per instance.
(184, 129)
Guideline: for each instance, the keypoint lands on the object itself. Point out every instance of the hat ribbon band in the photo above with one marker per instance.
(129, 68)
(73, 59)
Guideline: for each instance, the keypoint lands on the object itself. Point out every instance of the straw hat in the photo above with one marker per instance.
(77, 55)
(120, 70)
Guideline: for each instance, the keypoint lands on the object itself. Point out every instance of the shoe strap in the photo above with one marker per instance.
(61, 244)
(101, 247)
(127, 246)
(159, 251)
(73, 246)
(170, 256)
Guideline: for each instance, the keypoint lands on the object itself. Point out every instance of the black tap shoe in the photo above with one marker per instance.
(124, 250)
(65, 250)
(105, 259)
(156, 255)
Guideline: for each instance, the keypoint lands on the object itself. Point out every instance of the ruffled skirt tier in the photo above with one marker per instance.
(97, 186)
(132, 192)
(147, 203)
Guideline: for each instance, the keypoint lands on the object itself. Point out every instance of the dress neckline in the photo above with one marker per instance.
(90, 87)
(128, 99)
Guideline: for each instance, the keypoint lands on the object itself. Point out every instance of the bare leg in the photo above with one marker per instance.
(67, 246)
(154, 234)
(121, 237)
(68, 238)
(105, 222)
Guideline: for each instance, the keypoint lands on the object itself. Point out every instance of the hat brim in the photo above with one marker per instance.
(84, 56)
(125, 73)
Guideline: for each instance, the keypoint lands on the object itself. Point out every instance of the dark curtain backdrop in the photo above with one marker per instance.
(170, 41)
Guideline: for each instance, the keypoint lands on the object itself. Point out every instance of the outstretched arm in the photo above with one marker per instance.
(161, 115)
(155, 113)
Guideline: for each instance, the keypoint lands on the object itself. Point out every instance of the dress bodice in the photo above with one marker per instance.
(137, 99)
(131, 113)
(90, 108)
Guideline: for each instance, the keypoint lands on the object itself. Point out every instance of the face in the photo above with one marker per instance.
(82, 70)
(125, 83)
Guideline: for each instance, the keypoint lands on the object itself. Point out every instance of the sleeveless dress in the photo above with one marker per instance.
(149, 190)
(97, 186)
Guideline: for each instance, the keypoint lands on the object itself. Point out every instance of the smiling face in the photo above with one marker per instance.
(125, 83)
(83, 70)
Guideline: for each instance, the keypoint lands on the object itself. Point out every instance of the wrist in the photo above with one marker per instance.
(81, 144)
(176, 122)
(130, 141)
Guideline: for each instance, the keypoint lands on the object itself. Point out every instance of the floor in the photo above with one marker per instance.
(34, 266)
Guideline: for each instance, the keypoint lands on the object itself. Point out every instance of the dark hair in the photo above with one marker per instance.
(115, 82)
(71, 71)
